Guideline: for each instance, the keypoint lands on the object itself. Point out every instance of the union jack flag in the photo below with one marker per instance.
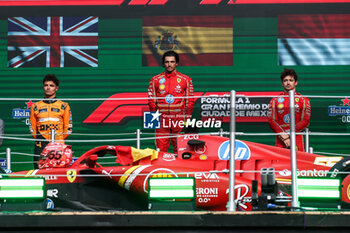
(52, 41)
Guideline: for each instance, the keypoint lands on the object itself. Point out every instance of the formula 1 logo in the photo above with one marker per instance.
(242, 151)
(119, 107)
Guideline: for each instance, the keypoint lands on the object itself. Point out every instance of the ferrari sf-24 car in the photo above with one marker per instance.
(87, 185)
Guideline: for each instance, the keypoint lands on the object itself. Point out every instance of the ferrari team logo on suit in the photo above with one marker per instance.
(71, 175)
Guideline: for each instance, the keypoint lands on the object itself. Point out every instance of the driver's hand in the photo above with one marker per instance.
(287, 142)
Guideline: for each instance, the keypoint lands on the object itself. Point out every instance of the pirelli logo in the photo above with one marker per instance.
(130, 175)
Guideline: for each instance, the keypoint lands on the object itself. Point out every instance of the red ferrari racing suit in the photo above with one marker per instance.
(164, 94)
(279, 117)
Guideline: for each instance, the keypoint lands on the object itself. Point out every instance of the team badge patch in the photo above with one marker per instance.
(169, 99)
(286, 118)
(71, 175)
(178, 88)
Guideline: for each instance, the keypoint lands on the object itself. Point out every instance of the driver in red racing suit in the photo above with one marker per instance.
(279, 117)
(170, 93)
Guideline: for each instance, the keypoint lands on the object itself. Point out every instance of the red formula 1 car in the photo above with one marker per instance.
(87, 185)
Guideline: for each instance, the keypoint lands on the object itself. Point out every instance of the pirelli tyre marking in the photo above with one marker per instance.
(126, 175)
(132, 176)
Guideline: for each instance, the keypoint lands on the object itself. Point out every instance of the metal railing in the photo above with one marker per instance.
(232, 134)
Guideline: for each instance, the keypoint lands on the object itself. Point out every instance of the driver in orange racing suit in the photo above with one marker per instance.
(279, 116)
(163, 91)
(49, 114)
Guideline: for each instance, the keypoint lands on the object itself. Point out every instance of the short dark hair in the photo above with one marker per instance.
(289, 72)
(51, 77)
(171, 54)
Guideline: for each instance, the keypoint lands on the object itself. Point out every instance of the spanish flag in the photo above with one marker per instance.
(127, 154)
(199, 40)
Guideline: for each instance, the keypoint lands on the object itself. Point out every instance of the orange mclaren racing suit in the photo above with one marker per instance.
(172, 95)
(279, 117)
(46, 115)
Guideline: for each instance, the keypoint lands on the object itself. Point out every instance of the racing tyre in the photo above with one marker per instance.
(337, 172)
(341, 166)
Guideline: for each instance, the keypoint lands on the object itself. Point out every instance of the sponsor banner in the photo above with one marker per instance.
(314, 39)
(304, 173)
(214, 106)
(22, 113)
(338, 110)
(341, 112)
(18, 113)
(242, 198)
(250, 107)
(52, 193)
(242, 151)
(207, 193)
(207, 177)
